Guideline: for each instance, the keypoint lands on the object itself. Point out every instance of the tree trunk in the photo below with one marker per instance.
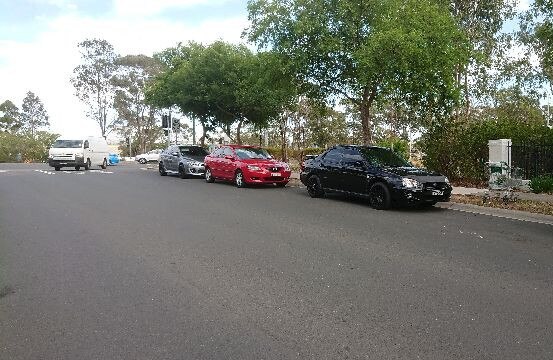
(365, 113)
(283, 137)
(238, 139)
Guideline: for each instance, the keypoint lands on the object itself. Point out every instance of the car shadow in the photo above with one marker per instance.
(351, 199)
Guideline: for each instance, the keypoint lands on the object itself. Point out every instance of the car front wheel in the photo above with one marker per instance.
(162, 170)
(314, 188)
(379, 196)
(142, 161)
(239, 179)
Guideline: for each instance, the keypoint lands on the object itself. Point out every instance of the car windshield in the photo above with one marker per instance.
(383, 157)
(66, 144)
(192, 151)
(252, 153)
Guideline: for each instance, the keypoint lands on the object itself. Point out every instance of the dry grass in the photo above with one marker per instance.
(522, 205)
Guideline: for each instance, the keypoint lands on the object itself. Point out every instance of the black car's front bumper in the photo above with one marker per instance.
(405, 196)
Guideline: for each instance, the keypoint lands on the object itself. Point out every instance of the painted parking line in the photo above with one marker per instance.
(46, 172)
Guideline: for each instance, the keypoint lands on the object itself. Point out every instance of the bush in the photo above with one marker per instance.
(296, 154)
(542, 184)
(30, 149)
(460, 149)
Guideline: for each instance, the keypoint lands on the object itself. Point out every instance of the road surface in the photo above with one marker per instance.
(125, 264)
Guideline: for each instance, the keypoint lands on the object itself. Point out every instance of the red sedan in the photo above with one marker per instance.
(245, 165)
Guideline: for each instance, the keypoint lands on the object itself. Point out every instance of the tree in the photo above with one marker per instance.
(365, 51)
(92, 80)
(33, 114)
(9, 117)
(137, 119)
(222, 85)
(481, 21)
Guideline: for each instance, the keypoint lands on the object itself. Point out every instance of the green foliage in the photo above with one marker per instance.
(31, 148)
(400, 146)
(542, 184)
(10, 120)
(92, 79)
(33, 114)
(367, 51)
(297, 154)
(222, 84)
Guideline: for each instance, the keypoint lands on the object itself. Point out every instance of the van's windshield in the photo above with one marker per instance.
(65, 144)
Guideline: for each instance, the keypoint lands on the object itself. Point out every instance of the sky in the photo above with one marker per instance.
(38, 43)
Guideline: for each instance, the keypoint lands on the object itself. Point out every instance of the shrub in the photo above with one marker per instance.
(542, 184)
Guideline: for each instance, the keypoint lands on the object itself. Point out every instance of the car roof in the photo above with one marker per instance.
(360, 146)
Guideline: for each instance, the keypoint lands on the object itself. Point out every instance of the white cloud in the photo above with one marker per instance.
(45, 65)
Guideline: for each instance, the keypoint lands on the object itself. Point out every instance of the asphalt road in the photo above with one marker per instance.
(125, 264)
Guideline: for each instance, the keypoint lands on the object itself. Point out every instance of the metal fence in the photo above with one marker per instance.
(532, 160)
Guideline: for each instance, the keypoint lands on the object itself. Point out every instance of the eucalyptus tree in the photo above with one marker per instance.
(33, 114)
(92, 80)
(363, 51)
(537, 31)
(482, 22)
(10, 120)
(135, 116)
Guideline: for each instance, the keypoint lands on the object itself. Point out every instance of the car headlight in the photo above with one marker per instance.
(254, 168)
(195, 164)
(410, 183)
(286, 167)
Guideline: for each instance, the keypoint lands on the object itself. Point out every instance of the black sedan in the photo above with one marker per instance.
(377, 173)
(184, 160)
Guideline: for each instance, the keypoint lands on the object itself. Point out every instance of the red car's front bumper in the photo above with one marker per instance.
(264, 176)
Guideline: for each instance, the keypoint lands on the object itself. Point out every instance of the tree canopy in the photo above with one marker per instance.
(367, 51)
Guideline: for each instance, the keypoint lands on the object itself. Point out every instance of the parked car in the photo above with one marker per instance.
(185, 160)
(152, 155)
(113, 159)
(245, 165)
(377, 173)
(77, 153)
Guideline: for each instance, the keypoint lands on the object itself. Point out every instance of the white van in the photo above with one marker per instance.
(77, 153)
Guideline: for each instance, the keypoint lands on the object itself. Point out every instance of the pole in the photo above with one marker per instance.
(193, 131)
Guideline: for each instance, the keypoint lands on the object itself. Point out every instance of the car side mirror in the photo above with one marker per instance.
(175, 154)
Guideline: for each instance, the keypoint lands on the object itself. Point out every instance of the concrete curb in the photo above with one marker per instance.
(500, 213)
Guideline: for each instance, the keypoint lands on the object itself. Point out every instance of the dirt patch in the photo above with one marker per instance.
(522, 205)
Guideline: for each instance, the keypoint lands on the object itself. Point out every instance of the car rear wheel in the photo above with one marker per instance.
(162, 170)
(57, 168)
(77, 168)
(142, 161)
(104, 164)
(314, 188)
(239, 179)
(209, 176)
(379, 196)
(87, 164)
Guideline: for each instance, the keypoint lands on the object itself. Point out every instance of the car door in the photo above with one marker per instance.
(214, 162)
(227, 163)
(172, 162)
(354, 172)
(331, 169)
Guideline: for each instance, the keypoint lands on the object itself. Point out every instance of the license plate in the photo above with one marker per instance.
(275, 174)
(437, 192)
